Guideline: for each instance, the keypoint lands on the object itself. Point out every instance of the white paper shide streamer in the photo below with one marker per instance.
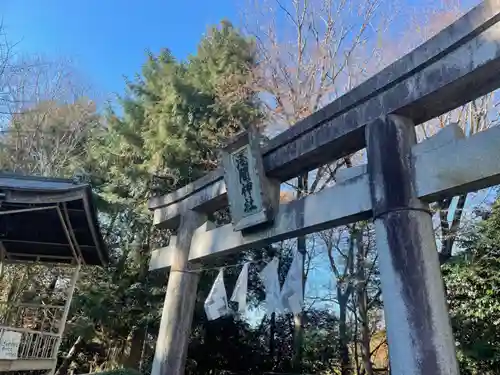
(240, 290)
(269, 277)
(216, 302)
(292, 294)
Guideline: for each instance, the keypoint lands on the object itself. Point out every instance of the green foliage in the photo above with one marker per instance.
(473, 286)
(320, 353)
(172, 121)
(177, 114)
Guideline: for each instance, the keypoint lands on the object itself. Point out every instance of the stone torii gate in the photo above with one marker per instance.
(394, 189)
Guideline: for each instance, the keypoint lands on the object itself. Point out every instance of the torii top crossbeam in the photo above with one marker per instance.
(459, 64)
(401, 177)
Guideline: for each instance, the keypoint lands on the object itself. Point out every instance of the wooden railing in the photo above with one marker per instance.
(37, 317)
(39, 324)
(34, 344)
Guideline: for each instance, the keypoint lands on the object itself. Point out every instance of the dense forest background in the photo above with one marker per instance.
(285, 61)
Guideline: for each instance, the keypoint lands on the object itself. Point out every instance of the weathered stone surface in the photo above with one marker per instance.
(253, 197)
(185, 191)
(178, 309)
(209, 199)
(462, 74)
(418, 329)
(313, 213)
(161, 258)
(390, 165)
(467, 27)
(440, 172)
(345, 174)
(457, 65)
(468, 164)
(295, 218)
(449, 134)
(418, 325)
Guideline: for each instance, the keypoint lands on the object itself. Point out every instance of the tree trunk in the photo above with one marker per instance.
(362, 300)
(345, 362)
(365, 333)
(449, 232)
(272, 338)
(298, 338)
(143, 350)
(77, 345)
(133, 352)
(298, 319)
(355, 343)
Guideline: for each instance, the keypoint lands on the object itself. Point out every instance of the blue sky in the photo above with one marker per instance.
(107, 39)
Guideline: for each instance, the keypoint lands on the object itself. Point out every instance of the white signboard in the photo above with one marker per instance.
(9, 344)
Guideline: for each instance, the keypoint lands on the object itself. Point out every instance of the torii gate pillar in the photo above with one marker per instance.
(177, 315)
(418, 325)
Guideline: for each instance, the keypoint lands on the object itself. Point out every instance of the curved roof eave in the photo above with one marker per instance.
(34, 197)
